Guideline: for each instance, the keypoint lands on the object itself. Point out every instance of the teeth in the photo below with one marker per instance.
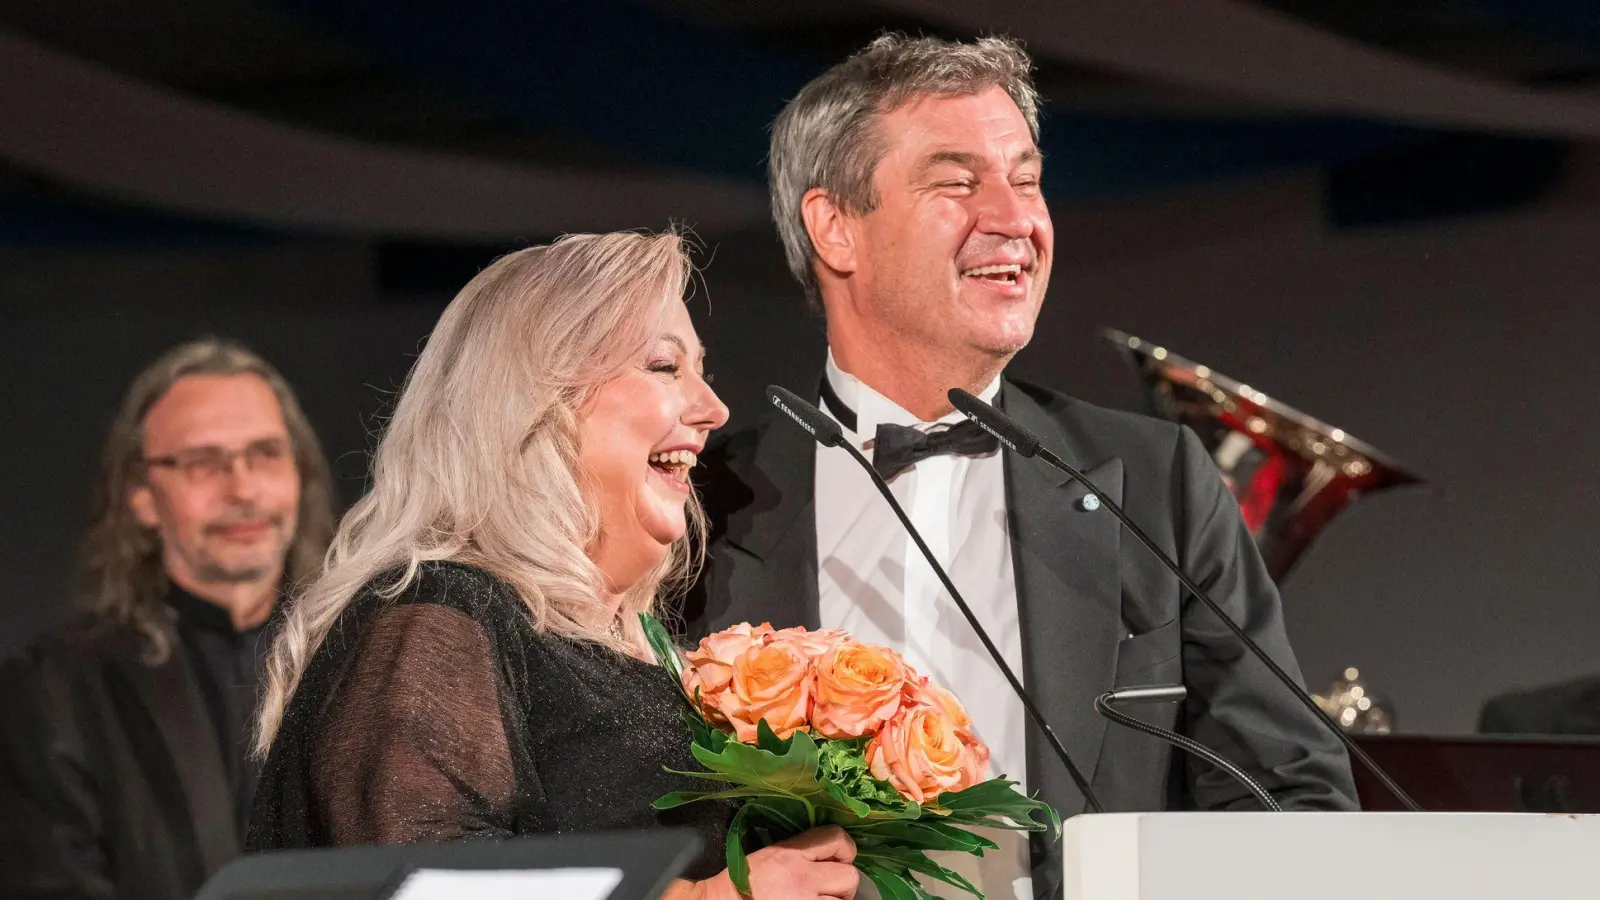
(1009, 269)
(686, 458)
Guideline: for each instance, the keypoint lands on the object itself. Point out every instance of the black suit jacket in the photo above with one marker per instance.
(1570, 707)
(1096, 610)
(112, 783)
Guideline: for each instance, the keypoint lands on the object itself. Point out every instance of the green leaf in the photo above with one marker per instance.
(838, 793)
(926, 834)
(902, 858)
(738, 863)
(794, 772)
(844, 763)
(700, 731)
(926, 866)
(709, 776)
(792, 775)
(906, 810)
(997, 804)
(662, 646)
(683, 798)
(991, 793)
(767, 739)
(890, 885)
(786, 816)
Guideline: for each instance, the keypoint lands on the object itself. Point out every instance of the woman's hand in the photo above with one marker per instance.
(813, 865)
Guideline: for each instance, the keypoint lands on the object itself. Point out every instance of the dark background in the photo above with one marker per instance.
(1427, 286)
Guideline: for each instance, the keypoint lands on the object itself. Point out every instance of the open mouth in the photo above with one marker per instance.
(1008, 274)
(674, 465)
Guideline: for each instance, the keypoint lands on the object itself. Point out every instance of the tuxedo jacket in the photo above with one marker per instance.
(1569, 707)
(112, 782)
(1097, 611)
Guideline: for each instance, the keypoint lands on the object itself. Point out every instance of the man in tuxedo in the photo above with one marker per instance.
(124, 738)
(905, 186)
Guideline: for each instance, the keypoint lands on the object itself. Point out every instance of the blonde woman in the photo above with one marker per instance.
(470, 663)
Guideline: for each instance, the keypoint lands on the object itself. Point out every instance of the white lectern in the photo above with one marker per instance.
(1330, 856)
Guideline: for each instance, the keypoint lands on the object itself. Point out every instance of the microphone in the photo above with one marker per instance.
(1024, 442)
(1170, 693)
(814, 421)
(822, 427)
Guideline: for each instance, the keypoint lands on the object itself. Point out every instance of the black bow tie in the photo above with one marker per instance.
(896, 448)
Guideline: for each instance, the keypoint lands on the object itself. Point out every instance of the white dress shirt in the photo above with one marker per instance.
(874, 583)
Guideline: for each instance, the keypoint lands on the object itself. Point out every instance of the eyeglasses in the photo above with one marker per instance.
(207, 464)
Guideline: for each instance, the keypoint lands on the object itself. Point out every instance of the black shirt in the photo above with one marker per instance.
(443, 713)
(227, 664)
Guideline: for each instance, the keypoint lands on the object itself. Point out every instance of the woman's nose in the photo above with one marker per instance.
(708, 412)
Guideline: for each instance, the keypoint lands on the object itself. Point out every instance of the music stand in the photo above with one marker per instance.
(648, 861)
(1484, 773)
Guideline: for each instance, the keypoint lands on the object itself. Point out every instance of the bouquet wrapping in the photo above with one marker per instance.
(808, 728)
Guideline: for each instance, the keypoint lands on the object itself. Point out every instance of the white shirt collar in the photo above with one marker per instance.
(873, 409)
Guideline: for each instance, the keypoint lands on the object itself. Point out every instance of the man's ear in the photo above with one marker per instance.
(831, 229)
(142, 502)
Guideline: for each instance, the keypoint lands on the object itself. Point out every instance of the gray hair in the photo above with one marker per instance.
(827, 137)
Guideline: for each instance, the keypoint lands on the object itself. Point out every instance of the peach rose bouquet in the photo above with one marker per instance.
(810, 728)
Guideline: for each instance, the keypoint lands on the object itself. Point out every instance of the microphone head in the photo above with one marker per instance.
(1015, 438)
(816, 423)
(1155, 693)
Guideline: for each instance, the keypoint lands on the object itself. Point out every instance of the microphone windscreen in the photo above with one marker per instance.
(815, 422)
(1018, 439)
(1155, 693)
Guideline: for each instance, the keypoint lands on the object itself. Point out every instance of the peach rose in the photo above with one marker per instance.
(704, 697)
(709, 668)
(977, 765)
(814, 643)
(771, 682)
(930, 694)
(859, 687)
(921, 690)
(922, 754)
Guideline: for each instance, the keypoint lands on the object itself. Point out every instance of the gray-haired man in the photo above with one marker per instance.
(906, 188)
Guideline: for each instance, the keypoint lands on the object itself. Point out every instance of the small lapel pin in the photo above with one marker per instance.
(1089, 503)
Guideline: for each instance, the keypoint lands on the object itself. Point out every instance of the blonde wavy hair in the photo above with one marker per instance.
(479, 461)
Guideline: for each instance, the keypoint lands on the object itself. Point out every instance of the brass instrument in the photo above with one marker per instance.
(1290, 473)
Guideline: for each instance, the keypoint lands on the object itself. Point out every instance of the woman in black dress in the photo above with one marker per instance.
(470, 663)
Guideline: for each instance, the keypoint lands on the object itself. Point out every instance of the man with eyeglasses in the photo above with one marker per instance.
(124, 762)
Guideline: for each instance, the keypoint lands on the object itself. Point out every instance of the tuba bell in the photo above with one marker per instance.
(1290, 473)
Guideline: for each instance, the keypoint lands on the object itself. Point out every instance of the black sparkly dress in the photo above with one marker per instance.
(442, 715)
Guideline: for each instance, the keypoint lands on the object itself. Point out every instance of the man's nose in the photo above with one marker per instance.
(1002, 211)
(241, 480)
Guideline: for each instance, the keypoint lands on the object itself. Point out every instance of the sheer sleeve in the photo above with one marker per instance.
(412, 745)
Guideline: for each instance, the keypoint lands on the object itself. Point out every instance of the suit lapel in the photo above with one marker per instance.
(1069, 593)
(776, 533)
(174, 702)
(1065, 557)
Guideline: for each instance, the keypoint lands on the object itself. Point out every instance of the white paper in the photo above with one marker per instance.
(509, 884)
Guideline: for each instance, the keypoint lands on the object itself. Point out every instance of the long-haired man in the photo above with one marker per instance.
(124, 759)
